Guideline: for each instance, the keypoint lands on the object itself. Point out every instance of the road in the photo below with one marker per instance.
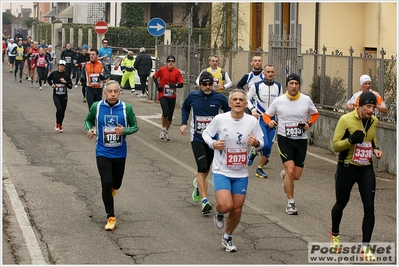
(53, 211)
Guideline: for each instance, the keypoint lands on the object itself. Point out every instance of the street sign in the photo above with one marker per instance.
(101, 27)
(156, 27)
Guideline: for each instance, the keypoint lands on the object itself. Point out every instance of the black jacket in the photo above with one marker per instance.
(143, 64)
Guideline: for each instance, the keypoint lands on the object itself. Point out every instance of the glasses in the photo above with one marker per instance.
(171, 60)
(207, 84)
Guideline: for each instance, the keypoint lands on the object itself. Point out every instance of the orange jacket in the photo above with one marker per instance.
(94, 73)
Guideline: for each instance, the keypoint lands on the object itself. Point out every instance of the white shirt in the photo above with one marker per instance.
(267, 95)
(290, 113)
(235, 133)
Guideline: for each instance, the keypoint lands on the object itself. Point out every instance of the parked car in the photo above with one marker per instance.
(116, 72)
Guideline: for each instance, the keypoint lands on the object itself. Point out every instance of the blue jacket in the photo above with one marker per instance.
(205, 108)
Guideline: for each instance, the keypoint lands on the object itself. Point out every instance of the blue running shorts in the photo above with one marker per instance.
(234, 185)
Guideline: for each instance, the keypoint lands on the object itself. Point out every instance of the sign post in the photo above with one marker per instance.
(156, 27)
(101, 27)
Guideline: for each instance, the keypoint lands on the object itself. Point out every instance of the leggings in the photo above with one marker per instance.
(42, 74)
(111, 172)
(60, 102)
(19, 64)
(93, 95)
(168, 107)
(345, 178)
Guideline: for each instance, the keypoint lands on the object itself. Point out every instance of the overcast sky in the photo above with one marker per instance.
(15, 5)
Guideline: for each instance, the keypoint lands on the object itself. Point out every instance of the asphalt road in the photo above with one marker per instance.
(53, 211)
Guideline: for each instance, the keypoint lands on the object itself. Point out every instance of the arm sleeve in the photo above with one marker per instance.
(132, 126)
(209, 132)
(242, 82)
(340, 144)
(228, 82)
(90, 118)
(155, 81)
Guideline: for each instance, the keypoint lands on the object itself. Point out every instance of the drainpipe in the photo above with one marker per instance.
(316, 37)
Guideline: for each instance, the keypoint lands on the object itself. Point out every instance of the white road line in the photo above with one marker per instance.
(31, 243)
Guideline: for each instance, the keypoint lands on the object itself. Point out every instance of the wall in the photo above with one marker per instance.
(386, 136)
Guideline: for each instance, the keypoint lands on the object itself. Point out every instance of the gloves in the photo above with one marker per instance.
(159, 89)
(357, 137)
(172, 85)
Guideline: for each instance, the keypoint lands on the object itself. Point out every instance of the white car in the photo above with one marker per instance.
(116, 72)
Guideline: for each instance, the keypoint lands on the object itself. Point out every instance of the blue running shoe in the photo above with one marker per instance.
(251, 156)
(260, 173)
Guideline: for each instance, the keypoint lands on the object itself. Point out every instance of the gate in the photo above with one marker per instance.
(285, 53)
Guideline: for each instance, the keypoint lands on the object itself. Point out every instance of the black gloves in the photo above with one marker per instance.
(172, 85)
(159, 89)
(357, 137)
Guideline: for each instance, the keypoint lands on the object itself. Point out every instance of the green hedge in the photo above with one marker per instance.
(126, 37)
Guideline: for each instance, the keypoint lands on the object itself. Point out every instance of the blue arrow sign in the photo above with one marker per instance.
(156, 27)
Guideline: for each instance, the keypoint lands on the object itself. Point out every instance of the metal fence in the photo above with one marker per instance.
(329, 79)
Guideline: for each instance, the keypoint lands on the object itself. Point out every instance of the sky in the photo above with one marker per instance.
(15, 5)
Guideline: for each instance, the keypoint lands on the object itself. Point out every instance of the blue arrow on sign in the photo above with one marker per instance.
(156, 27)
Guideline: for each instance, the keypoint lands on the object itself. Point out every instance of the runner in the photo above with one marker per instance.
(355, 138)
(292, 110)
(205, 104)
(114, 120)
(230, 134)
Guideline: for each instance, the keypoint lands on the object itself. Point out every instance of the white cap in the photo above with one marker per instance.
(364, 78)
(49, 46)
(62, 62)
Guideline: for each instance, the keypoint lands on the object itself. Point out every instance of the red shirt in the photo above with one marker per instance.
(168, 76)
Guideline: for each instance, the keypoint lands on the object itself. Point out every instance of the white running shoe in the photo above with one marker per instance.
(218, 220)
(40, 88)
(228, 245)
(291, 209)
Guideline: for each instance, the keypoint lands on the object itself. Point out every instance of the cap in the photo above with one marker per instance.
(293, 76)
(49, 46)
(62, 62)
(205, 77)
(171, 57)
(367, 98)
(364, 78)
(45, 46)
(77, 48)
(86, 47)
(11, 39)
(142, 49)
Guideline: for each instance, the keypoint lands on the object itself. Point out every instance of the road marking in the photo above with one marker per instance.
(31, 243)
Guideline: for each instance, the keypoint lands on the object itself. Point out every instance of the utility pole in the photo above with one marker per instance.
(190, 32)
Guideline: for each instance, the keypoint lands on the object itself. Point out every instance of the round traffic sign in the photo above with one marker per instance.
(101, 27)
(156, 27)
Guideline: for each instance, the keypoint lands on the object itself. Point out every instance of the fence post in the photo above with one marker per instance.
(322, 75)
(350, 72)
(381, 74)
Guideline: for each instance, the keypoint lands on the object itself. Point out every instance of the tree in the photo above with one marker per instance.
(132, 14)
(8, 18)
(29, 22)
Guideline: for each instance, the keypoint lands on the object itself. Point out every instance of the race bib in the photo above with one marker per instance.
(111, 139)
(59, 89)
(292, 130)
(94, 78)
(236, 158)
(202, 122)
(168, 91)
(363, 153)
(68, 60)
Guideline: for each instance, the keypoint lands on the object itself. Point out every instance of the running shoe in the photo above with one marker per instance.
(57, 127)
(162, 135)
(61, 130)
(291, 209)
(367, 254)
(252, 155)
(335, 243)
(133, 91)
(196, 194)
(228, 245)
(111, 224)
(142, 95)
(218, 220)
(260, 173)
(45, 85)
(167, 136)
(84, 100)
(113, 190)
(76, 86)
(40, 88)
(206, 207)
(20, 81)
(15, 78)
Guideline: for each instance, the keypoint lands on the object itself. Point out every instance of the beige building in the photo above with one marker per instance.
(365, 26)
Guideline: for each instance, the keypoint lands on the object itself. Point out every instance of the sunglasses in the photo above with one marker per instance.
(207, 84)
(171, 60)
